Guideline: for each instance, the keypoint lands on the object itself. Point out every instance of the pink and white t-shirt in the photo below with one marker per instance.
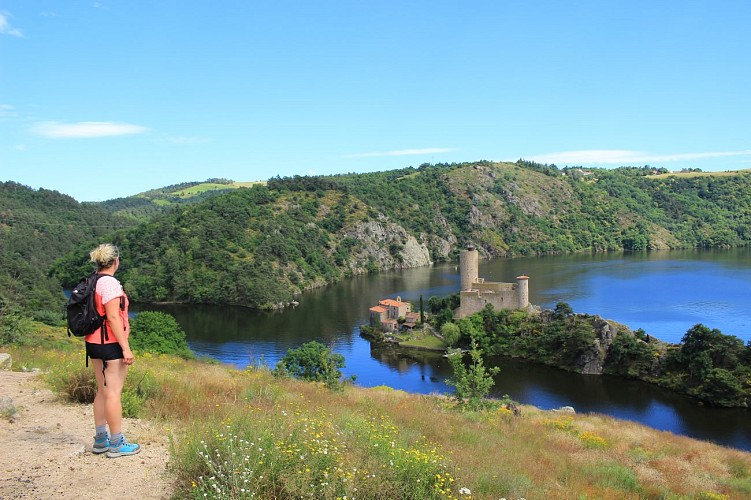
(109, 288)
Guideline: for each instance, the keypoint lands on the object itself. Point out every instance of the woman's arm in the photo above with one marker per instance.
(115, 325)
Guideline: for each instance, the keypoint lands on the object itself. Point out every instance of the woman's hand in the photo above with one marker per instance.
(128, 357)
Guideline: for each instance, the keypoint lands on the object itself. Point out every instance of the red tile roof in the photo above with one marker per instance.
(392, 302)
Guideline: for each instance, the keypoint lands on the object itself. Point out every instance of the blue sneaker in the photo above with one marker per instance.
(122, 449)
(101, 445)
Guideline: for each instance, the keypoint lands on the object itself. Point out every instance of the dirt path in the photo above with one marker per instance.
(45, 450)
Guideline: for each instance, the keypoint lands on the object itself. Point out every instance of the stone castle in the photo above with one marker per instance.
(476, 293)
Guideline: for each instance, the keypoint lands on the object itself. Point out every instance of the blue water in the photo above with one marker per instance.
(663, 297)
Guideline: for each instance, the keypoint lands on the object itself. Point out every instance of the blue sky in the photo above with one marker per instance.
(111, 98)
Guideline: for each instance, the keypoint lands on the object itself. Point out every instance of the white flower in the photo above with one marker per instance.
(464, 491)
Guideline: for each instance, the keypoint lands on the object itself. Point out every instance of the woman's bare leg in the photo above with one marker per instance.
(107, 403)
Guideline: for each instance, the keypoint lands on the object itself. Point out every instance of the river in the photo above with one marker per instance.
(664, 293)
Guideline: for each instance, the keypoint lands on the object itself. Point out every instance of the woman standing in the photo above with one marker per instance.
(110, 354)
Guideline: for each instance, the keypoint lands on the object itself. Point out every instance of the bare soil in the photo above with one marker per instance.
(45, 449)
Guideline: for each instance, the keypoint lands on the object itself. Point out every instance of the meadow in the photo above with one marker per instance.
(248, 434)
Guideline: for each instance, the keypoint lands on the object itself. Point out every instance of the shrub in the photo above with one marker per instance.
(14, 327)
(312, 361)
(451, 334)
(159, 333)
(48, 317)
(74, 380)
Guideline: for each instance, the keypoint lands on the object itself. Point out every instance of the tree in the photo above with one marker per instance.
(562, 310)
(629, 355)
(451, 334)
(721, 388)
(473, 383)
(312, 361)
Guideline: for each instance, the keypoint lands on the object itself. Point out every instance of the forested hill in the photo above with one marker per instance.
(144, 206)
(261, 245)
(37, 227)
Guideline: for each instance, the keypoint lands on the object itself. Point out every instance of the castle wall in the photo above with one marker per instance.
(472, 301)
(476, 293)
(494, 287)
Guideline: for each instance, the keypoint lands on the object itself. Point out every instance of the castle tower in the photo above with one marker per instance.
(468, 267)
(523, 291)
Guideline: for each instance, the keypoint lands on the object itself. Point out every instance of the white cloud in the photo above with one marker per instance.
(401, 152)
(625, 157)
(56, 130)
(6, 28)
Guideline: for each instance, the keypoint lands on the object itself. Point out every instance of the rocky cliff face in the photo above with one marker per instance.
(387, 245)
(592, 362)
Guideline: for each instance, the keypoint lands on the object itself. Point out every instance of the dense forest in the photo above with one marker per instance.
(259, 246)
(37, 227)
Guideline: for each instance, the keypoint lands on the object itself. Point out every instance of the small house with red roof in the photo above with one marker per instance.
(388, 312)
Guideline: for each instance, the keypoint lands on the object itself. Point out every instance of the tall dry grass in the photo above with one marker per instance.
(539, 454)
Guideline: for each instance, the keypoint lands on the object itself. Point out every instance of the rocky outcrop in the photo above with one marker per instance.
(387, 245)
(593, 361)
(442, 241)
(414, 254)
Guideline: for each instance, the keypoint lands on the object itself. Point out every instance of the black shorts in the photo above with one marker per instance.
(105, 352)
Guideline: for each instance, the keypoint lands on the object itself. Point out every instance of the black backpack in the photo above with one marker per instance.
(83, 318)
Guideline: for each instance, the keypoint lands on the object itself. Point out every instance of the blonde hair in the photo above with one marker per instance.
(104, 255)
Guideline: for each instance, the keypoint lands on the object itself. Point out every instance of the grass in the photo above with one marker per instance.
(699, 174)
(211, 186)
(246, 434)
(422, 339)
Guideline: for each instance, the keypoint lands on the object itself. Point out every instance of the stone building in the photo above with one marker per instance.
(476, 293)
(388, 311)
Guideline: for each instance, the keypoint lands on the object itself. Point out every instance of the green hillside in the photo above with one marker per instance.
(37, 227)
(259, 246)
(143, 206)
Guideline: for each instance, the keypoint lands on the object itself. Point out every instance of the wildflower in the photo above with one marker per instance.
(464, 491)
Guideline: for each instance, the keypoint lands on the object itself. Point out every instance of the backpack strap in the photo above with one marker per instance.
(103, 329)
